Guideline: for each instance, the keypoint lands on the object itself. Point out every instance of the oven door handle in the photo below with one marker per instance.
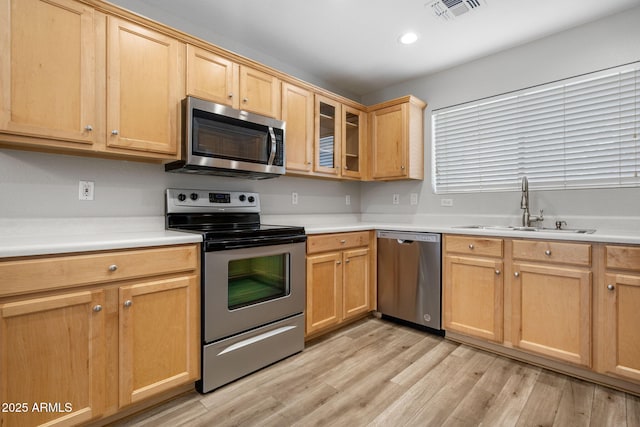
(272, 155)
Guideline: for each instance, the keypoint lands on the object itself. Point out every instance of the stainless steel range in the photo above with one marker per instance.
(253, 282)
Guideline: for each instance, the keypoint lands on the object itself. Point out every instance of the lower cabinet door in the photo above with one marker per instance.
(324, 291)
(356, 289)
(473, 297)
(620, 303)
(159, 336)
(52, 367)
(551, 311)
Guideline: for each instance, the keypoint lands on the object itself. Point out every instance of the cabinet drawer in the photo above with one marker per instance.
(471, 245)
(44, 273)
(565, 253)
(623, 258)
(332, 242)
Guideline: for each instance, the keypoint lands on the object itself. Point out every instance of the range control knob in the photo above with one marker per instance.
(182, 197)
(242, 197)
(251, 199)
(194, 196)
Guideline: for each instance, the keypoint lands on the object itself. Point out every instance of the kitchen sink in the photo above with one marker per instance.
(520, 228)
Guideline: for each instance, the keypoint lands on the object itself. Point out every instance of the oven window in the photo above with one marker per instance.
(254, 280)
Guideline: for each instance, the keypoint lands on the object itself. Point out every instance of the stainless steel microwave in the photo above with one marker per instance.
(220, 140)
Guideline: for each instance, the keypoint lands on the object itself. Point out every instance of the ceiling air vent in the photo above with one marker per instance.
(448, 10)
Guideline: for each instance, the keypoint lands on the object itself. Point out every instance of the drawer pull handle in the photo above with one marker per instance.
(547, 252)
(517, 274)
(343, 242)
(128, 303)
(611, 287)
(113, 267)
(497, 272)
(97, 308)
(471, 246)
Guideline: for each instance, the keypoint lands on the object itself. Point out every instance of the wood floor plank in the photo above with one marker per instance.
(378, 373)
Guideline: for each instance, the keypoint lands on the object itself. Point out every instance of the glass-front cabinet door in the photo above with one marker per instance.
(327, 140)
(353, 126)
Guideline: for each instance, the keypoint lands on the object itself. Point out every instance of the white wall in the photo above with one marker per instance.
(605, 43)
(46, 185)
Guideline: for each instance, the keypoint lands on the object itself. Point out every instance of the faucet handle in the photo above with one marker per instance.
(559, 224)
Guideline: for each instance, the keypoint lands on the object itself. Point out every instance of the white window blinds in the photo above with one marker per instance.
(576, 133)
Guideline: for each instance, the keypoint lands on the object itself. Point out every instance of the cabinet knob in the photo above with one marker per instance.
(471, 246)
(611, 287)
(88, 128)
(517, 274)
(97, 308)
(342, 242)
(113, 267)
(338, 262)
(347, 261)
(114, 132)
(230, 95)
(497, 272)
(245, 100)
(402, 167)
(547, 252)
(128, 303)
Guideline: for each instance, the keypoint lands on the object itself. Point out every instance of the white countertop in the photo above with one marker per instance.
(45, 236)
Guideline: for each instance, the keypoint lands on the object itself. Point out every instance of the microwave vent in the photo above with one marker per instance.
(448, 10)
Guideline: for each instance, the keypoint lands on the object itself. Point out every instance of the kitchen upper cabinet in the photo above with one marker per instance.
(353, 142)
(397, 139)
(473, 287)
(298, 113)
(145, 85)
(619, 302)
(53, 351)
(223, 81)
(48, 72)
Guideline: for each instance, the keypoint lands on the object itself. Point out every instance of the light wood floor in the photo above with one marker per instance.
(379, 373)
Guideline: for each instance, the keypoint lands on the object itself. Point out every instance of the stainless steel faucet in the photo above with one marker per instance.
(527, 219)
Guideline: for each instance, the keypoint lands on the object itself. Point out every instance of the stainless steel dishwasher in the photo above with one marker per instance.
(409, 274)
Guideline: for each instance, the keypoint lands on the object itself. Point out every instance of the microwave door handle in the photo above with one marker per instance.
(272, 155)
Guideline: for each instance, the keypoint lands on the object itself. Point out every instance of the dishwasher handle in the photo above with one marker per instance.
(404, 237)
(405, 241)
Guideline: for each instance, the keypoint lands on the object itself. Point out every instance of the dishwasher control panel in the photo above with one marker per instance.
(413, 236)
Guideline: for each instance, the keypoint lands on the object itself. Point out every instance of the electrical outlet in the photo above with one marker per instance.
(446, 202)
(347, 200)
(294, 198)
(414, 198)
(396, 199)
(85, 190)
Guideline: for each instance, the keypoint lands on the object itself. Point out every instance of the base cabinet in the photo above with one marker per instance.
(339, 279)
(76, 355)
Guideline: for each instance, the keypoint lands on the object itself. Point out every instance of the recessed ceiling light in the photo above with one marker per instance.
(408, 38)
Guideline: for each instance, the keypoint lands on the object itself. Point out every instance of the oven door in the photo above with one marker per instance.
(249, 287)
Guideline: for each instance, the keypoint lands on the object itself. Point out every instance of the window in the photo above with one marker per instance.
(575, 133)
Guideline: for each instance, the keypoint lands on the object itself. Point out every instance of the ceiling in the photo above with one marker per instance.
(353, 44)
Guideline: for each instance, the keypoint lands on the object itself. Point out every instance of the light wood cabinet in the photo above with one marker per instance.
(397, 139)
(218, 79)
(473, 287)
(340, 286)
(551, 299)
(144, 86)
(298, 114)
(103, 342)
(53, 351)
(620, 314)
(48, 75)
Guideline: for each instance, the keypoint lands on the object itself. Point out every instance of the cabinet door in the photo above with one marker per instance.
(324, 291)
(389, 142)
(145, 87)
(551, 311)
(620, 304)
(159, 336)
(48, 70)
(297, 112)
(259, 92)
(328, 136)
(356, 283)
(473, 297)
(353, 135)
(53, 354)
(212, 77)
